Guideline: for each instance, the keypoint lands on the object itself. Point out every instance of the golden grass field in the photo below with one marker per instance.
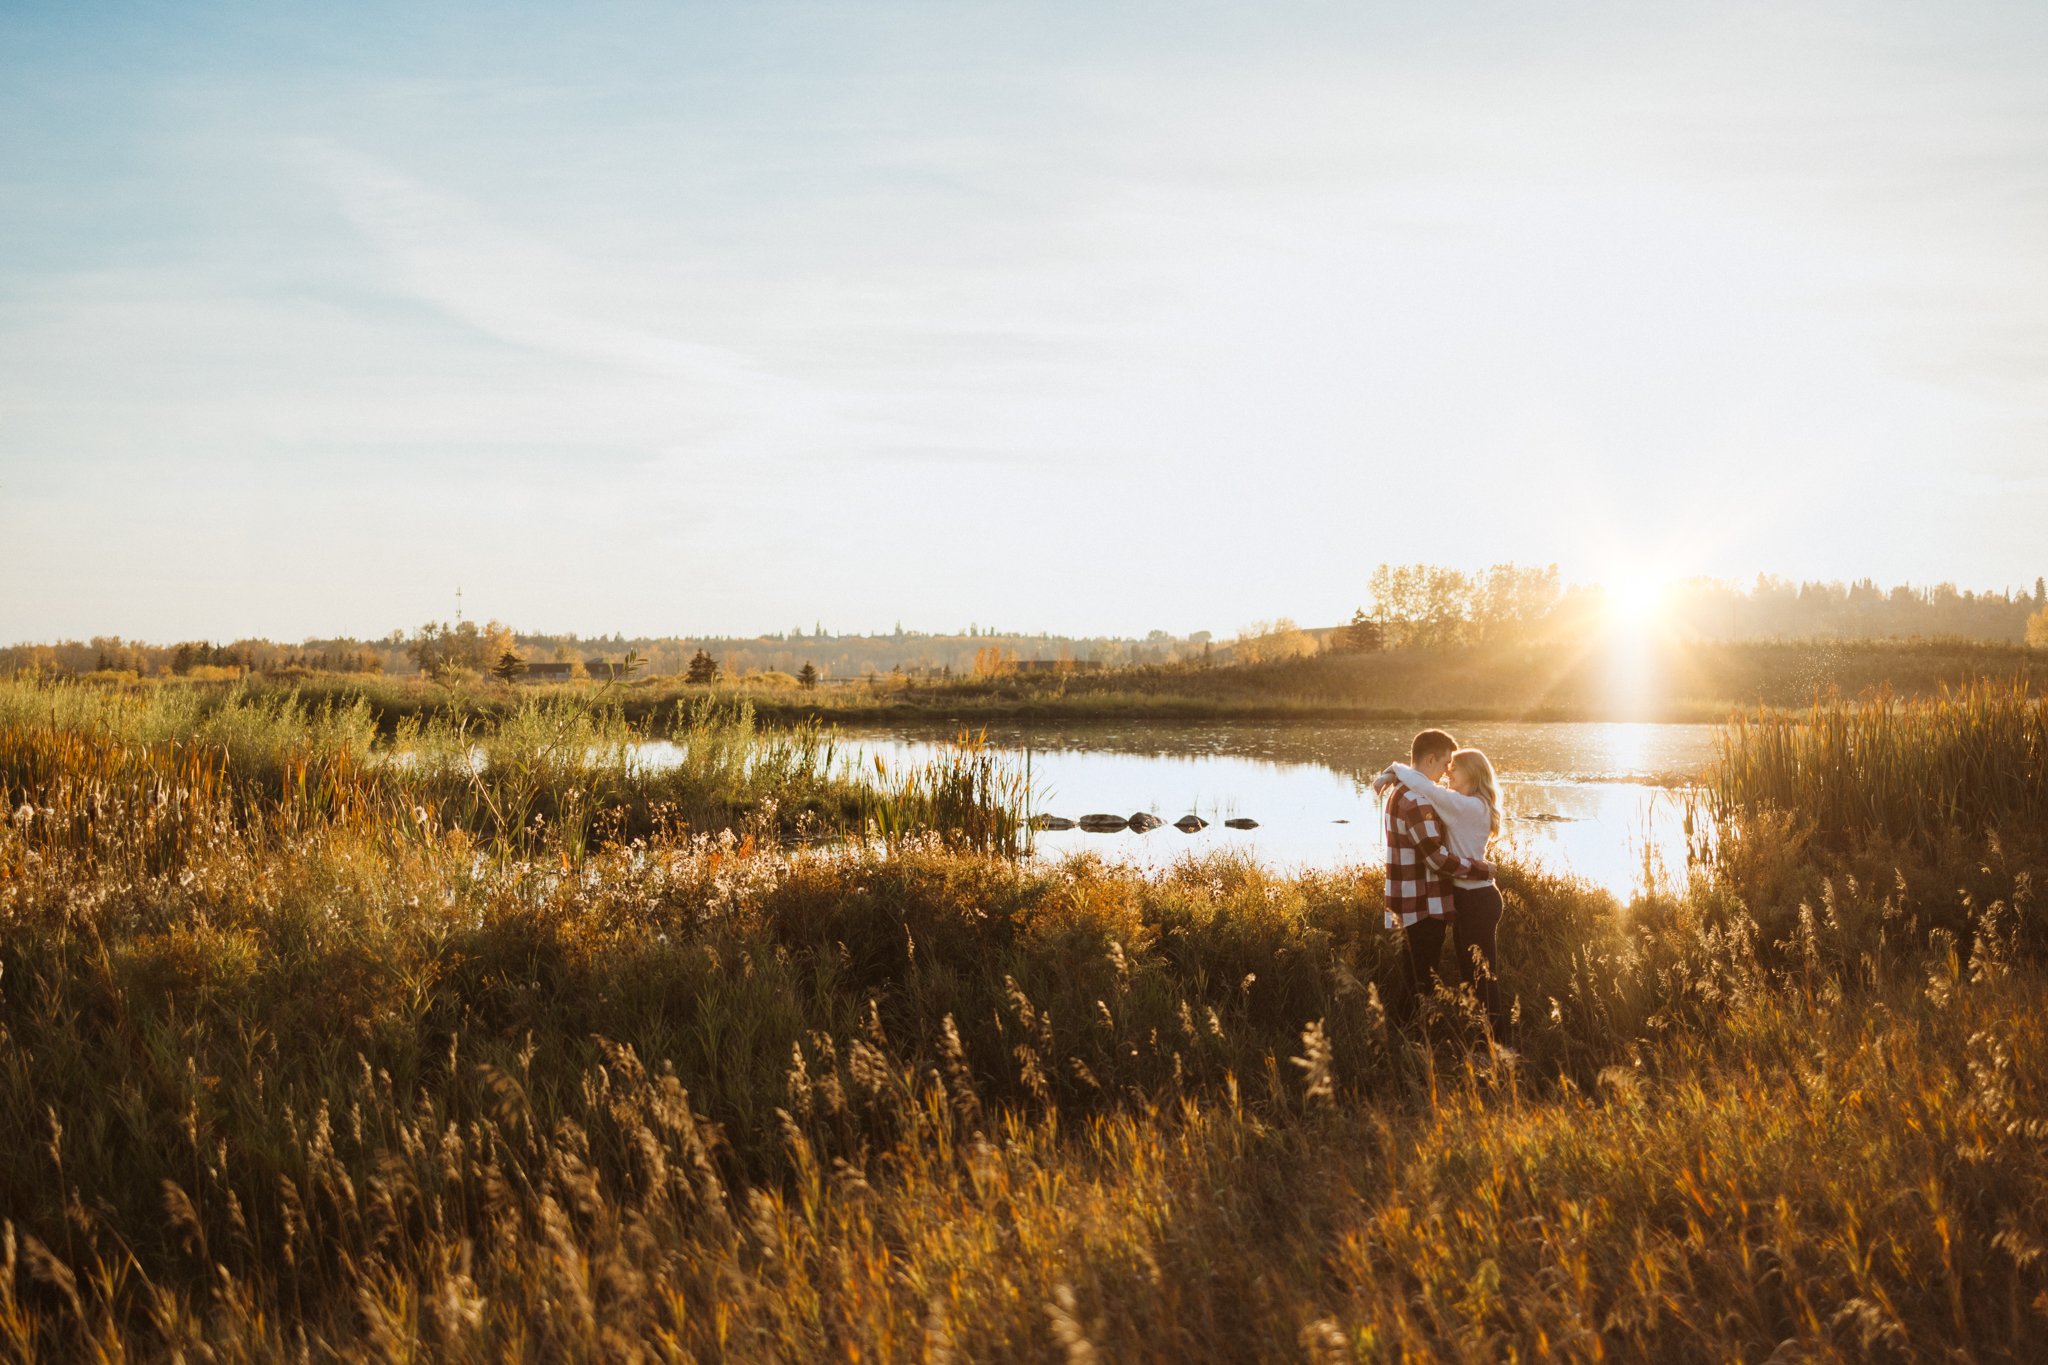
(307, 1053)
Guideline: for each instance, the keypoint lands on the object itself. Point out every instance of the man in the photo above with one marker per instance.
(1420, 865)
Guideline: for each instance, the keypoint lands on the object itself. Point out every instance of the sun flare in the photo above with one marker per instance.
(1635, 602)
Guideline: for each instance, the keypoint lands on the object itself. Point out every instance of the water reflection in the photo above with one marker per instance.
(1591, 800)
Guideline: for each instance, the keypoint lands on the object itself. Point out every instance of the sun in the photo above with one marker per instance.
(1634, 602)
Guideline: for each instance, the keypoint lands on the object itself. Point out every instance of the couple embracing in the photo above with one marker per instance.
(1442, 810)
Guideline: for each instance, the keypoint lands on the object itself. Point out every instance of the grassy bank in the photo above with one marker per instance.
(343, 1088)
(1660, 681)
(135, 778)
(1666, 681)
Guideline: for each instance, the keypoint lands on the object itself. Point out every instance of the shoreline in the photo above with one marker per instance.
(1688, 684)
(768, 709)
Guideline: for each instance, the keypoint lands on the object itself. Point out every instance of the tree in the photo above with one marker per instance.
(807, 676)
(1267, 641)
(424, 649)
(443, 650)
(2037, 629)
(703, 668)
(1420, 604)
(1364, 635)
(1509, 602)
(509, 666)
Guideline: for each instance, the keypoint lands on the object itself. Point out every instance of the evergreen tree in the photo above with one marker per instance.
(703, 668)
(508, 667)
(807, 676)
(1363, 635)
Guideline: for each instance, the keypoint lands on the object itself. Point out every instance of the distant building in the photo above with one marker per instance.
(550, 671)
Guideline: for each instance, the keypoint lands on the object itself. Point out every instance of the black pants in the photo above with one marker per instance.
(1475, 935)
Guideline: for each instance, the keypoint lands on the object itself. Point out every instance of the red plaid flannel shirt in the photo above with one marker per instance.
(1420, 865)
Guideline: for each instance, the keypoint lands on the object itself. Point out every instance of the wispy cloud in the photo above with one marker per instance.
(514, 288)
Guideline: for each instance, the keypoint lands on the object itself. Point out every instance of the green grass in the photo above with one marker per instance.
(335, 1085)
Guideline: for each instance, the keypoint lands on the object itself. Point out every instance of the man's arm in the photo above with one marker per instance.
(1441, 797)
(1429, 841)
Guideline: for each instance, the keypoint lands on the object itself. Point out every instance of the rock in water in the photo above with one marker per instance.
(1103, 824)
(1241, 822)
(1051, 822)
(1188, 824)
(1145, 822)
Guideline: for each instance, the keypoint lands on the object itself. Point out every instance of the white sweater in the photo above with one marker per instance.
(1468, 820)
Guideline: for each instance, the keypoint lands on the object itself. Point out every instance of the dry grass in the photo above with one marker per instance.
(332, 1088)
(1571, 680)
(134, 779)
(1908, 768)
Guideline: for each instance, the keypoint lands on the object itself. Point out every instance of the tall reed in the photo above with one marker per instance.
(85, 769)
(1916, 769)
(969, 794)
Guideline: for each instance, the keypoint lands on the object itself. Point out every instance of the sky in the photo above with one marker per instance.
(1093, 318)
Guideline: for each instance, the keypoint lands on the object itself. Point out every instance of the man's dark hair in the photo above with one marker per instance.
(1431, 742)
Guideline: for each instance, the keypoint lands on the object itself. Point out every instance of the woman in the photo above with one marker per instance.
(1468, 803)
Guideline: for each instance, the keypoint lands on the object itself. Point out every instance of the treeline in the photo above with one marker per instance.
(1425, 606)
(1779, 608)
(974, 652)
(205, 658)
(1409, 606)
(460, 648)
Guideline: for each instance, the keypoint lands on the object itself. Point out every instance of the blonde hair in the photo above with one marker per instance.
(1477, 769)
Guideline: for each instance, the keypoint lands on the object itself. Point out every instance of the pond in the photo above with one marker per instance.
(1602, 802)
